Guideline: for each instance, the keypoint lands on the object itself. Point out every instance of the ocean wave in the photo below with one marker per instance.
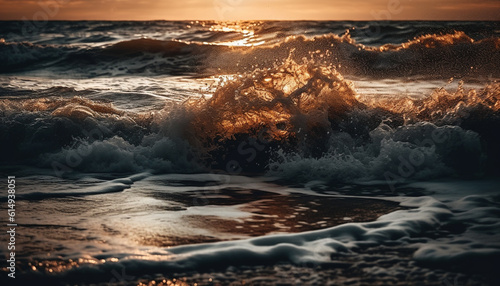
(405, 153)
(113, 186)
(284, 120)
(25, 56)
(433, 55)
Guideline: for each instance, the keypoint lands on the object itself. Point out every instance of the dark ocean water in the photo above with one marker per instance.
(113, 48)
(137, 141)
(268, 77)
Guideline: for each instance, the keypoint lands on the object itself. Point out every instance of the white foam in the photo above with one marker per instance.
(112, 186)
(479, 242)
(408, 153)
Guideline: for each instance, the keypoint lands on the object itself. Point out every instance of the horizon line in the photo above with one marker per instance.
(256, 20)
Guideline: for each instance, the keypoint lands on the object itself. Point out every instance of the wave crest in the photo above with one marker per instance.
(285, 100)
(434, 55)
(301, 113)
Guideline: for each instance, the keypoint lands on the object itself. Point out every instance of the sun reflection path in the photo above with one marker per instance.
(247, 31)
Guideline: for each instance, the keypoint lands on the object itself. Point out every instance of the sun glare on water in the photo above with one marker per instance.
(248, 37)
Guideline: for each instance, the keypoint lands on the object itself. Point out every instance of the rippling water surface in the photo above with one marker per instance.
(303, 152)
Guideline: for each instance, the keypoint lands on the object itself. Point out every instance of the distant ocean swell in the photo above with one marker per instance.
(296, 121)
(442, 55)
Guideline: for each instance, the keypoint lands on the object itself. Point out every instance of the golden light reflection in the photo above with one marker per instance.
(245, 30)
(431, 41)
(281, 100)
(57, 266)
(165, 282)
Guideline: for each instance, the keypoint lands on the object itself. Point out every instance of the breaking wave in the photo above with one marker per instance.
(298, 121)
(439, 55)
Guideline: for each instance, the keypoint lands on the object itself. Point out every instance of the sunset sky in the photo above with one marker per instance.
(250, 10)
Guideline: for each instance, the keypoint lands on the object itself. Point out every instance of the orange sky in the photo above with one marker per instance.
(250, 9)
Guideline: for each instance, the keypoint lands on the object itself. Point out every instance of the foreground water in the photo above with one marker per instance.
(210, 229)
(345, 153)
